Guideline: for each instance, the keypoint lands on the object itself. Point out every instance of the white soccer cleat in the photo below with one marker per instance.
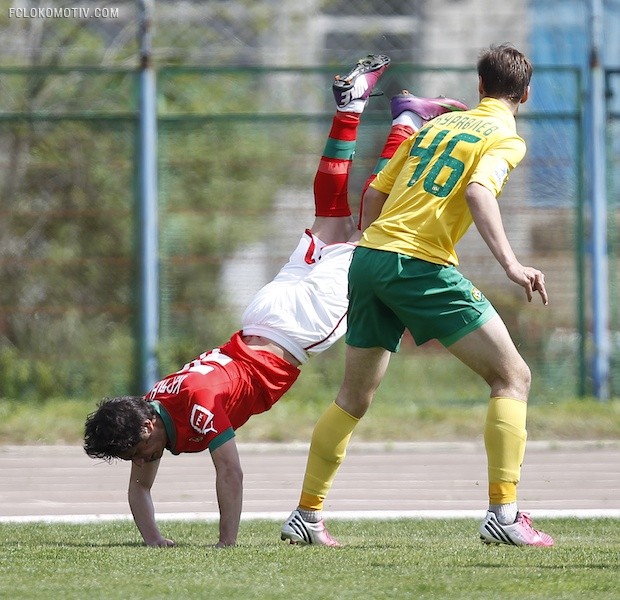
(359, 83)
(298, 531)
(519, 533)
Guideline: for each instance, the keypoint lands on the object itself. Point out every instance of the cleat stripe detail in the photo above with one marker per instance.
(495, 530)
(301, 530)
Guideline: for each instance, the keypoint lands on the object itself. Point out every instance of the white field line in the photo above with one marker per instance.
(590, 513)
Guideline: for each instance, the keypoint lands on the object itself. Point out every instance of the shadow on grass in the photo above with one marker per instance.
(559, 567)
(51, 544)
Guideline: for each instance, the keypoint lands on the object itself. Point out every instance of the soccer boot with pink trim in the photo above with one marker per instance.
(519, 533)
(298, 531)
(426, 108)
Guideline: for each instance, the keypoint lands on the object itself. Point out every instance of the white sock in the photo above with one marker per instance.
(410, 119)
(310, 516)
(506, 513)
(355, 106)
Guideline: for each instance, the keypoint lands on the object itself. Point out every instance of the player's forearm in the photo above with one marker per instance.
(486, 215)
(229, 489)
(143, 511)
(488, 220)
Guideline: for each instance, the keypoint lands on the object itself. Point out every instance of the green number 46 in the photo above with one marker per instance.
(444, 160)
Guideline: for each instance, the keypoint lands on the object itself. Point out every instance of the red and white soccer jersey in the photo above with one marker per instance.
(202, 404)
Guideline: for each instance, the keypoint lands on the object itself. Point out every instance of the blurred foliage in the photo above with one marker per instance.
(65, 248)
(68, 228)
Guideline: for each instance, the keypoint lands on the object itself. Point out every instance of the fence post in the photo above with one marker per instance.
(148, 337)
(598, 208)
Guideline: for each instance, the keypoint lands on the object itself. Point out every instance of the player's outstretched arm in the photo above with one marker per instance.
(139, 493)
(485, 212)
(229, 489)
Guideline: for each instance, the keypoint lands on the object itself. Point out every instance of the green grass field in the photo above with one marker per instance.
(391, 559)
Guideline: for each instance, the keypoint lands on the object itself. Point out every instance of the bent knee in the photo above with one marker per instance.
(514, 381)
(355, 405)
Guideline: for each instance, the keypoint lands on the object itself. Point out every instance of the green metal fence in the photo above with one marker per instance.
(237, 152)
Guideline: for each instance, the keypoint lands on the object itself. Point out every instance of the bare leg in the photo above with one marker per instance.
(364, 370)
(334, 229)
(491, 353)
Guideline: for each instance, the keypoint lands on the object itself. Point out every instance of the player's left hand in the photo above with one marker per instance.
(538, 285)
(531, 279)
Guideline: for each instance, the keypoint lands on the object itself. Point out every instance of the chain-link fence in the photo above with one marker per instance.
(237, 153)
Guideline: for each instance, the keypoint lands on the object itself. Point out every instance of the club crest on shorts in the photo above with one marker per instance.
(476, 294)
(202, 419)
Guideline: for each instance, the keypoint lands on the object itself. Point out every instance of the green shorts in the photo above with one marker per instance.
(389, 292)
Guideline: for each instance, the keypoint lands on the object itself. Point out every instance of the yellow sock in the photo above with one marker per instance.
(327, 450)
(504, 440)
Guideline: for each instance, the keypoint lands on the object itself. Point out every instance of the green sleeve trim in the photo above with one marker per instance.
(225, 436)
(168, 424)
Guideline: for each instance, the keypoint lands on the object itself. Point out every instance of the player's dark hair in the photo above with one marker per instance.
(116, 426)
(505, 72)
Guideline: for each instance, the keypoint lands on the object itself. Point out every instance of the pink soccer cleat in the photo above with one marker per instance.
(426, 108)
(520, 533)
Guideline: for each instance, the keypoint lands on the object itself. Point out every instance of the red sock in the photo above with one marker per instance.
(398, 134)
(331, 182)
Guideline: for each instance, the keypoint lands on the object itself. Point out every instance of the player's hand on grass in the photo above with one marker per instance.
(161, 543)
(221, 544)
(531, 279)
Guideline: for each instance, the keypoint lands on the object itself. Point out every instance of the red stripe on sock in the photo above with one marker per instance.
(334, 166)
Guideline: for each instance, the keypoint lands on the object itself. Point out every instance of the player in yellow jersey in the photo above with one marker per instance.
(403, 275)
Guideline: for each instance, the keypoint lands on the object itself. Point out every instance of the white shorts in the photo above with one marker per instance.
(304, 308)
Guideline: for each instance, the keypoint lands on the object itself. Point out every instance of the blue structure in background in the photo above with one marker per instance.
(581, 34)
(558, 39)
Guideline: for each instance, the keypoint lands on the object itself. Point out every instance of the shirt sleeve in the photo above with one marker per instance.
(222, 438)
(497, 162)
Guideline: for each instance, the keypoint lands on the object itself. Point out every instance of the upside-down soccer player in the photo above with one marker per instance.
(301, 312)
(403, 275)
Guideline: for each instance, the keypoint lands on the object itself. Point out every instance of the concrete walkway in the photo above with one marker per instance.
(388, 480)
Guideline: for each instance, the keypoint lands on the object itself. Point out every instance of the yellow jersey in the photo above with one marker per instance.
(426, 213)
